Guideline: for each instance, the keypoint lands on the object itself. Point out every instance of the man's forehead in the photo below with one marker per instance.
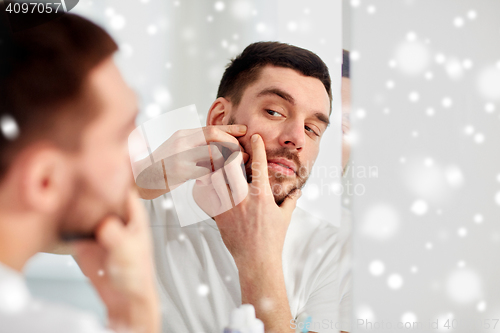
(306, 91)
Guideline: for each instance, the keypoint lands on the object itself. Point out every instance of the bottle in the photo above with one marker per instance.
(242, 320)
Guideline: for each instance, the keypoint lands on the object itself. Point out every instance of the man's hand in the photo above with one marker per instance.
(120, 266)
(186, 155)
(255, 229)
(254, 233)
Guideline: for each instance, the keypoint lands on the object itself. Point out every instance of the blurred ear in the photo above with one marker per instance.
(219, 112)
(45, 179)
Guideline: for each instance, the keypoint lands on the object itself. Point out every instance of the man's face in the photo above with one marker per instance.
(103, 174)
(291, 112)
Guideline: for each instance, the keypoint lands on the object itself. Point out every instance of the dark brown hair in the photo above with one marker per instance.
(43, 82)
(245, 68)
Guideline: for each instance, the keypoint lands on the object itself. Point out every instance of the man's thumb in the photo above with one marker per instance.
(110, 232)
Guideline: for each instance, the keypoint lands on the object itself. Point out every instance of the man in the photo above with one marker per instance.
(65, 174)
(262, 251)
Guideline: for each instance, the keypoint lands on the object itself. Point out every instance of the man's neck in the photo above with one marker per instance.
(21, 237)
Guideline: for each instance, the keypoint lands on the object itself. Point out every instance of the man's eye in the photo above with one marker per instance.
(274, 113)
(309, 129)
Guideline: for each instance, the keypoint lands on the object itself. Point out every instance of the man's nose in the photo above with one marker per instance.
(293, 135)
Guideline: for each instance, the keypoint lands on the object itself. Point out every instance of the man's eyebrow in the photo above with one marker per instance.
(276, 91)
(321, 117)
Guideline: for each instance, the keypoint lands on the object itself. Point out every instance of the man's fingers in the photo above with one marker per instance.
(291, 202)
(236, 178)
(110, 232)
(219, 184)
(217, 157)
(234, 130)
(260, 176)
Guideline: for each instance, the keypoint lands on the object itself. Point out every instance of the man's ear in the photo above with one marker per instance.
(45, 179)
(219, 112)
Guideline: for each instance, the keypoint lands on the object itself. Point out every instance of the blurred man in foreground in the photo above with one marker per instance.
(65, 174)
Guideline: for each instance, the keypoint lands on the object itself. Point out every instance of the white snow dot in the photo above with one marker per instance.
(292, 26)
(117, 22)
(109, 12)
(469, 130)
(395, 281)
(428, 162)
(307, 11)
(461, 264)
(364, 311)
(210, 18)
(152, 29)
(467, 63)
(412, 57)
(177, 3)
(100, 272)
(440, 58)
(219, 6)
(478, 218)
(168, 65)
(402, 160)
(376, 267)
(371, 9)
(167, 203)
(430, 112)
(392, 63)
(10, 129)
(312, 192)
(428, 245)
(479, 138)
(409, 319)
(489, 107)
(463, 286)
(355, 3)
(498, 178)
(429, 75)
(488, 82)
(228, 278)
(354, 55)
(462, 232)
(181, 237)
(414, 269)
(454, 176)
(380, 222)
(414, 134)
(458, 22)
(224, 43)
(414, 96)
(389, 84)
(411, 36)
(481, 306)
(203, 290)
(447, 102)
(260, 27)
(471, 14)
(153, 110)
(13, 295)
(360, 113)
(454, 69)
(497, 198)
(419, 207)
(386, 110)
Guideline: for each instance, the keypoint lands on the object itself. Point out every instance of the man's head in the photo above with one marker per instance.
(283, 93)
(69, 162)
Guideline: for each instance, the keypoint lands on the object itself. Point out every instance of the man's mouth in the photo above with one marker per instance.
(283, 166)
